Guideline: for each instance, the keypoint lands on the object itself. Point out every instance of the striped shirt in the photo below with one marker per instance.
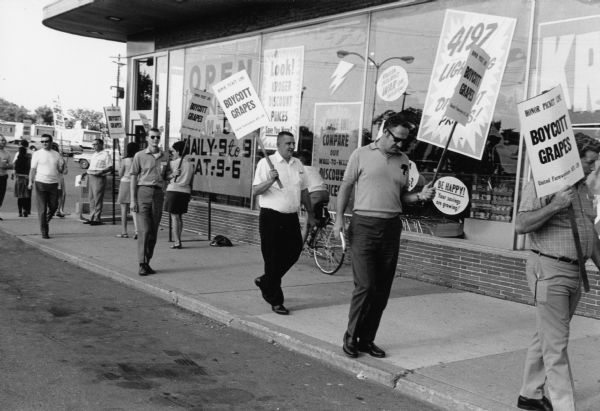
(555, 236)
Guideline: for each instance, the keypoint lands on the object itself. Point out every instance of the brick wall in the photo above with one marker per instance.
(257, 16)
(456, 264)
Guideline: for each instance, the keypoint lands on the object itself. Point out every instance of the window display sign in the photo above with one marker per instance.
(336, 128)
(451, 195)
(194, 122)
(281, 92)
(223, 164)
(114, 122)
(392, 83)
(550, 142)
(568, 55)
(460, 33)
(240, 103)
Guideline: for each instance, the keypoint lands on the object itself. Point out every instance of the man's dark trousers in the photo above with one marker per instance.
(3, 181)
(150, 202)
(374, 244)
(281, 244)
(46, 195)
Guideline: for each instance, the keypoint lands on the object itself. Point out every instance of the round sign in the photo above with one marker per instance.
(392, 83)
(413, 175)
(451, 195)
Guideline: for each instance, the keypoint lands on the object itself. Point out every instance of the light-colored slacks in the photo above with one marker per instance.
(556, 287)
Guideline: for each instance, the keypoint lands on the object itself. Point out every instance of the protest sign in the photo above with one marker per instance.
(461, 103)
(460, 33)
(241, 104)
(551, 147)
(194, 122)
(281, 91)
(114, 122)
(451, 195)
(413, 175)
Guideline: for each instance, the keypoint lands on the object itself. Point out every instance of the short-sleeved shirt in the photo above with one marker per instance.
(183, 183)
(99, 161)
(314, 181)
(293, 179)
(379, 179)
(149, 167)
(46, 164)
(555, 237)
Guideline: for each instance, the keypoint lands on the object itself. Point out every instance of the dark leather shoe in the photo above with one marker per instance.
(143, 270)
(149, 269)
(534, 404)
(349, 347)
(87, 222)
(371, 349)
(280, 309)
(258, 282)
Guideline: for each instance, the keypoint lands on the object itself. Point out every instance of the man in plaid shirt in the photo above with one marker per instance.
(553, 275)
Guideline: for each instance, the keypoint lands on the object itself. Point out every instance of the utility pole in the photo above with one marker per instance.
(120, 91)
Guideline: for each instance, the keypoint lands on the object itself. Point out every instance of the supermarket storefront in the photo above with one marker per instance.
(326, 73)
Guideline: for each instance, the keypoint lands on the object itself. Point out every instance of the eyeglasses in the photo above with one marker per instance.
(44, 141)
(396, 139)
(154, 137)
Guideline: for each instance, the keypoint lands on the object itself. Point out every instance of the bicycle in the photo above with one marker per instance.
(327, 251)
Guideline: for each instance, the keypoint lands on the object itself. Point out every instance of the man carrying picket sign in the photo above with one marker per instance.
(552, 272)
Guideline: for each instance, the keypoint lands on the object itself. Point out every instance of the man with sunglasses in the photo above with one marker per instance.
(148, 171)
(46, 167)
(379, 174)
(100, 166)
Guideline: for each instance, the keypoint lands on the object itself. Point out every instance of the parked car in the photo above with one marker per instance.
(84, 159)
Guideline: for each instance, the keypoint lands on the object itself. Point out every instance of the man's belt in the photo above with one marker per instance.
(563, 259)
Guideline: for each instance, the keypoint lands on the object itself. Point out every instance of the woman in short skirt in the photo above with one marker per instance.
(125, 190)
(179, 190)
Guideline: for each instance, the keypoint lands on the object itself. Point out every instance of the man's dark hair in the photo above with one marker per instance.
(179, 146)
(399, 119)
(586, 143)
(156, 130)
(99, 140)
(47, 136)
(283, 134)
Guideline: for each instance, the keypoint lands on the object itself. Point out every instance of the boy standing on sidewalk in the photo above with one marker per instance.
(148, 171)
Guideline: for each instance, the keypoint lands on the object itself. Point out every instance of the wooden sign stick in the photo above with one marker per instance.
(443, 157)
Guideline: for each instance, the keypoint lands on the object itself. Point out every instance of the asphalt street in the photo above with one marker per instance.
(73, 340)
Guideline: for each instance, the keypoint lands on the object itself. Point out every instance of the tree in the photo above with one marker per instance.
(12, 112)
(92, 119)
(44, 115)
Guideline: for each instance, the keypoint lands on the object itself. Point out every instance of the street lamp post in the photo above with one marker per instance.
(407, 59)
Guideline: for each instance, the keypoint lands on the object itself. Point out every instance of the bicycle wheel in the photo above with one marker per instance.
(328, 251)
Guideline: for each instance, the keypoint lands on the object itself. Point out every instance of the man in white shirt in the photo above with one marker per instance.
(279, 226)
(46, 166)
(100, 166)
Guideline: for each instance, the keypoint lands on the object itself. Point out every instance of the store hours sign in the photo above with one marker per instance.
(223, 164)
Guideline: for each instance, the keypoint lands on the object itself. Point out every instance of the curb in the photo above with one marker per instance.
(407, 382)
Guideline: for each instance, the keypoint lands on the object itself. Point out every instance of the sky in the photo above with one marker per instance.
(39, 64)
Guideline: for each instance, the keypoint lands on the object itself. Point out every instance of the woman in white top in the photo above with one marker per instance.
(179, 190)
(124, 189)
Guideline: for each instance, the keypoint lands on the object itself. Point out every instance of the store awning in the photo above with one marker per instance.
(119, 20)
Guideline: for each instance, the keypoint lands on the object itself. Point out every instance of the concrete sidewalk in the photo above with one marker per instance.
(455, 349)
